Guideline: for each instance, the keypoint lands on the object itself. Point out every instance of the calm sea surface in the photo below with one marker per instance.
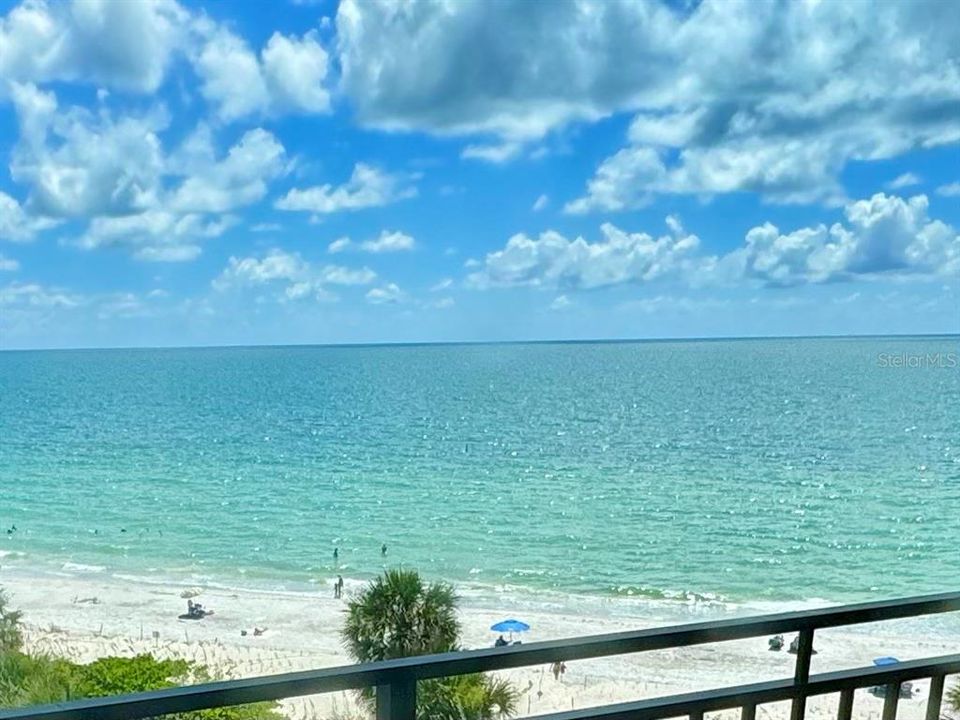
(759, 470)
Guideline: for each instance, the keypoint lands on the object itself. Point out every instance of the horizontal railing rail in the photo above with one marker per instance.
(395, 680)
(749, 696)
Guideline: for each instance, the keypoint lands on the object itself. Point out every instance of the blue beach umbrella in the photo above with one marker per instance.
(510, 626)
(881, 661)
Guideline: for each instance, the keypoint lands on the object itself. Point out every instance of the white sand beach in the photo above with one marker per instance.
(86, 617)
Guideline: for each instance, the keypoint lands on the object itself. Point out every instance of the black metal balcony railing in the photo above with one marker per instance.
(396, 680)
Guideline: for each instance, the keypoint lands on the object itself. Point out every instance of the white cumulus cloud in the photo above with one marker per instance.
(786, 170)
(389, 294)
(290, 275)
(553, 260)
(131, 46)
(730, 95)
(288, 76)
(560, 61)
(907, 179)
(16, 225)
(339, 245)
(496, 154)
(883, 235)
(34, 295)
(80, 164)
(114, 173)
(241, 178)
(154, 235)
(389, 242)
(126, 45)
(367, 187)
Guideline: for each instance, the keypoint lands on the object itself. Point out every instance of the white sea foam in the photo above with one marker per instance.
(82, 568)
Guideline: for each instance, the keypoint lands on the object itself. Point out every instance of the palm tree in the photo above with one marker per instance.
(466, 697)
(398, 615)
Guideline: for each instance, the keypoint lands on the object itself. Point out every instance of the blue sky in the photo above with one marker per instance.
(315, 172)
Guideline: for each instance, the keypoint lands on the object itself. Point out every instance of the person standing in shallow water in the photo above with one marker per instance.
(383, 550)
(336, 554)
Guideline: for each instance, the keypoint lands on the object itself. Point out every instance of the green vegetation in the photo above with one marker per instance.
(953, 697)
(35, 680)
(27, 680)
(10, 636)
(399, 615)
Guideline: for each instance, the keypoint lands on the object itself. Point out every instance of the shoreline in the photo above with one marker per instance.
(83, 618)
(662, 607)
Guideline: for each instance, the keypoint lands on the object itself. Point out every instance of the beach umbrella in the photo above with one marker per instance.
(881, 661)
(510, 626)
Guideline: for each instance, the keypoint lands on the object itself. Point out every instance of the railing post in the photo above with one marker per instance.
(749, 712)
(891, 696)
(845, 709)
(398, 700)
(801, 675)
(935, 698)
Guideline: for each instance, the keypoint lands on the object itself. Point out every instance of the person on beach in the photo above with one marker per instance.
(340, 586)
(500, 642)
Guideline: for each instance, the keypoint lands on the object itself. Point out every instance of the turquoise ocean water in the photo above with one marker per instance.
(746, 471)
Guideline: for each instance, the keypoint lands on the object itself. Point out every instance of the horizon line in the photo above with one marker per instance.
(455, 343)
